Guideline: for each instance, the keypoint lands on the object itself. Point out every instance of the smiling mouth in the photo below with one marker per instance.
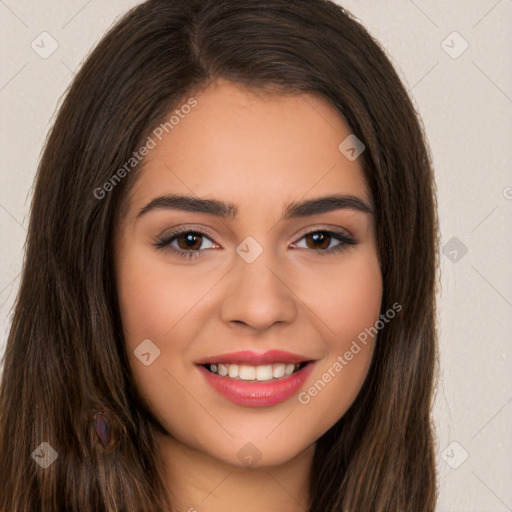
(260, 373)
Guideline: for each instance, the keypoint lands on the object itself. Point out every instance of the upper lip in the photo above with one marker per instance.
(253, 358)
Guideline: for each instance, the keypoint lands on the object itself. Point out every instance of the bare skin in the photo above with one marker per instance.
(261, 153)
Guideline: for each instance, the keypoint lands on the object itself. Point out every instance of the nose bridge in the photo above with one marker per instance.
(257, 294)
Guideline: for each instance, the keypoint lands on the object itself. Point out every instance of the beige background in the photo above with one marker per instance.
(466, 104)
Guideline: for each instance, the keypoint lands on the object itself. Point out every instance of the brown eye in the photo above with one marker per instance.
(185, 243)
(319, 240)
(189, 241)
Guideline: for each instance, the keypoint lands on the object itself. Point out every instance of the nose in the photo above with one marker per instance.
(258, 295)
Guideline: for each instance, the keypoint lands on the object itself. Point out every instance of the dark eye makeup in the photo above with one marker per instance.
(189, 238)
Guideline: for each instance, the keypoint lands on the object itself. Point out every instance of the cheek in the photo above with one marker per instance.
(359, 295)
(160, 302)
(348, 304)
(153, 297)
(146, 306)
(345, 299)
(152, 302)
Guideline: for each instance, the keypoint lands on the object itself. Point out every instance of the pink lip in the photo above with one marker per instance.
(252, 358)
(257, 393)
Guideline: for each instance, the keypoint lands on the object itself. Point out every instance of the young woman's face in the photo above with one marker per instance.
(200, 282)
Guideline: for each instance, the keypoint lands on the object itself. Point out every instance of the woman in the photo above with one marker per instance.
(228, 296)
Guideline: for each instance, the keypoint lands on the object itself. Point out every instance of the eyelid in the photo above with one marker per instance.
(343, 236)
(185, 228)
(326, 227)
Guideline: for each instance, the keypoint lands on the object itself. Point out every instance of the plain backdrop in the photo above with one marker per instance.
(454, 58)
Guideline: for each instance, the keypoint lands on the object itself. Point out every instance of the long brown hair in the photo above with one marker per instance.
(65, 357)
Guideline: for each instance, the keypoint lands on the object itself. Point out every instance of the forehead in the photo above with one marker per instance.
(252, 147)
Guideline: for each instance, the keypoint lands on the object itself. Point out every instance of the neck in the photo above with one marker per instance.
(198, 482)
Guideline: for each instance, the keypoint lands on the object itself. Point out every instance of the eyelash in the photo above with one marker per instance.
(163, 242)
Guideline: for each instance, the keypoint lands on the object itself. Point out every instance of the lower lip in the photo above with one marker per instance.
(257, 393)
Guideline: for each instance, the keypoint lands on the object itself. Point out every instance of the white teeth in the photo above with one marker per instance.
(260, 373)
(247, 372)
(278, 370)
(233, 370)
(264, 372)
(289, 369)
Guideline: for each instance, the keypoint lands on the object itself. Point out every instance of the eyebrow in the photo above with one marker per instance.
(229, 210)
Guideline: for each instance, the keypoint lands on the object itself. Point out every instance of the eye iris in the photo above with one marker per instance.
(189, 238)
(322, 238)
